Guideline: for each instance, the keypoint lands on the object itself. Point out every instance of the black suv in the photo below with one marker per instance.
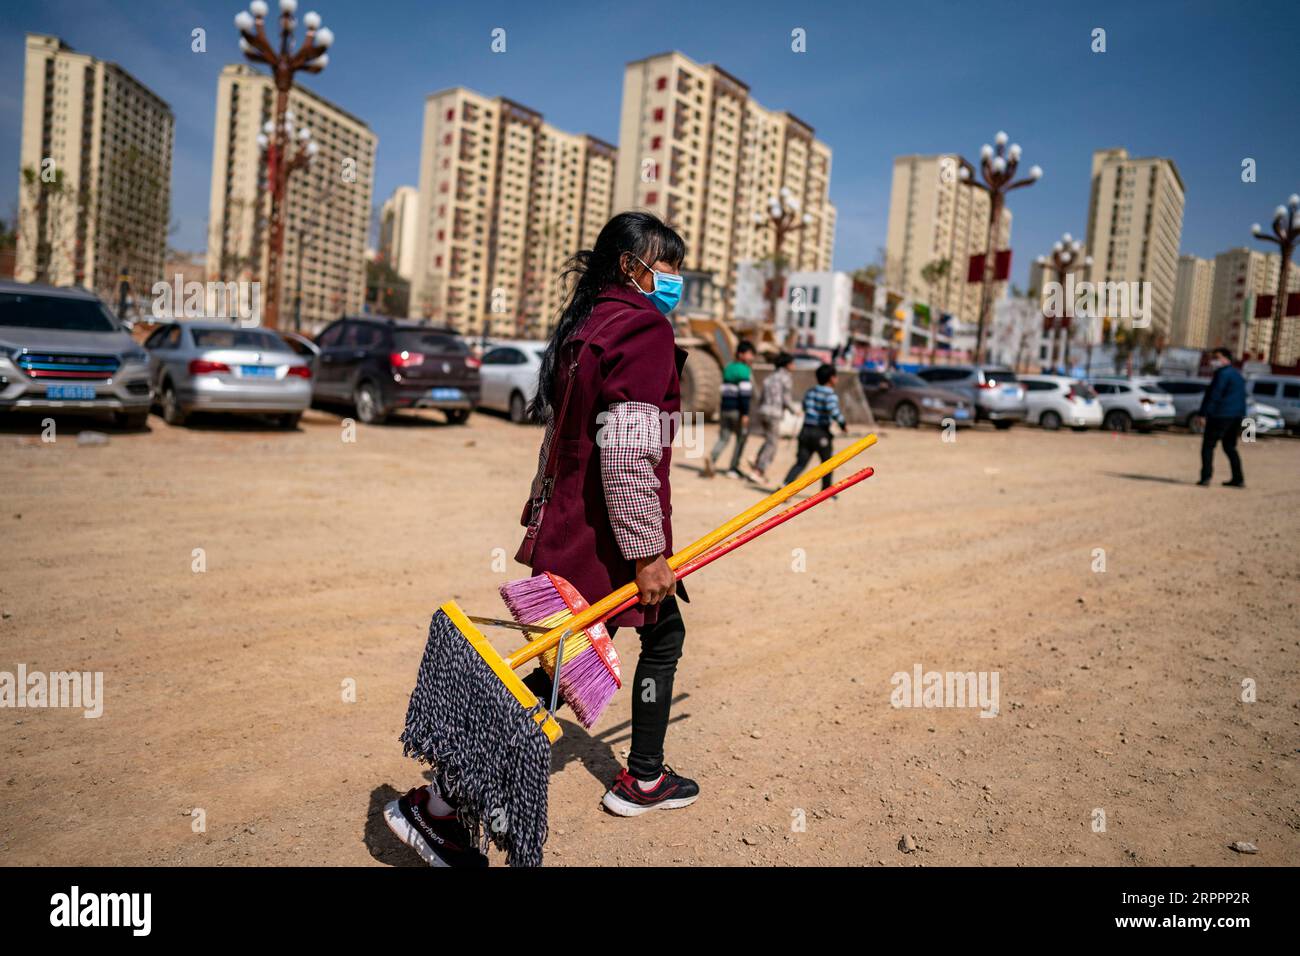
(379, 365)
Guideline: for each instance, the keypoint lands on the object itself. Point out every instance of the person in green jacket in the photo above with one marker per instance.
(737, 389)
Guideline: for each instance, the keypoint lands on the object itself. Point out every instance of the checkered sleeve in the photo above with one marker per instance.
(631, 446)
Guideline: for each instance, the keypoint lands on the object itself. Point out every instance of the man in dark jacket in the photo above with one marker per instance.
(1222, 409)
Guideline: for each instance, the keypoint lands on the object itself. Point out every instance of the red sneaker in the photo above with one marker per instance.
(626, 798)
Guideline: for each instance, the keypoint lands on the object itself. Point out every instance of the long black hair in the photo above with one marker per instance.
(591, 271)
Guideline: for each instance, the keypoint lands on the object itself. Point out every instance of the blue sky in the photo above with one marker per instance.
(1195, 81)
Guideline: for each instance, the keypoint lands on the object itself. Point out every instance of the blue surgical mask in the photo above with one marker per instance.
(667, 291)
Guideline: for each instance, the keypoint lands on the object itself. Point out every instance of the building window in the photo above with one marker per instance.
(656, 142)
(661, 83)
(659, 114)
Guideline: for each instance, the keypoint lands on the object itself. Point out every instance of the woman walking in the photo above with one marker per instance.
(599, 512)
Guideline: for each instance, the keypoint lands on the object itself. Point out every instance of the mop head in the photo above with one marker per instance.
(486, 739)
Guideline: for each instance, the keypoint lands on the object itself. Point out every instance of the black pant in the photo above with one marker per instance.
(812, 439)
(1221, 430)
(652, 688)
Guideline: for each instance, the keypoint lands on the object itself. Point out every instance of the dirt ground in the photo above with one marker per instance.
(224, 690)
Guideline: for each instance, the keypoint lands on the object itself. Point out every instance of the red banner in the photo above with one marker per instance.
(1264, 307)
(1001, 267)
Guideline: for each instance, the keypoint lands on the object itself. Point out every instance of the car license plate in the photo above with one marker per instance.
(257, 371)
(71, 392)
(1010, 389)
(961, 413)
(445, 394)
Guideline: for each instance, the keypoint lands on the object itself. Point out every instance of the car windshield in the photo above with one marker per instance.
(413, 340)
(26, 311)
(1153, 390)
(908, 380)
(1083, 390)
(238, 339)
(999, 376)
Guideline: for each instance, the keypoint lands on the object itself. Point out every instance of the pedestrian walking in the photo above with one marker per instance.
(1222, 409)
(776, 398)
(821, 407)
(737, 389)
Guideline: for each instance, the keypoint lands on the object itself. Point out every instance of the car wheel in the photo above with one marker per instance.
(905, 415)
(1003, 424)
(456, 416)
(131, 421)
(172, 412)
(518, 408)
(1118, 421)
(369, 404)
(289, 420)
(1050, 420)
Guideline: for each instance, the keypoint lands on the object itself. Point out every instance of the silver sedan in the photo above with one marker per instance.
(216, 367)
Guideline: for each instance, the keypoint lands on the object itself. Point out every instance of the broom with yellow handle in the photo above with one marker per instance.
(486, 736)
(591, 673)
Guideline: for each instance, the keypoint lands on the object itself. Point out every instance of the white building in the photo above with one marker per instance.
(398, 229)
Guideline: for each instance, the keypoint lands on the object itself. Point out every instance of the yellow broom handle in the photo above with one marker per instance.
(580, 621)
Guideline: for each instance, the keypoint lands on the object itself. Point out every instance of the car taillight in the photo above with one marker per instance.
(988, 385)
(1071, 394)
(405, 359)
(204, 367)
(472, 362)
(302, 371)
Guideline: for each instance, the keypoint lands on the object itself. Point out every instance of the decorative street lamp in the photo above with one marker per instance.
(784, 218)
(1286, 230)
(284, 63)
(998, 167)
(1063, 261)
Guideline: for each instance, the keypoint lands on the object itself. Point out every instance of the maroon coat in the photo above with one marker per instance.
(626, 353)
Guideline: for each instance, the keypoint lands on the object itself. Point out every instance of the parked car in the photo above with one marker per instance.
(992, 391)
(508, 377)
(1186, 392)
(910, 400)
(1056, 400)
(1280, 391)
(62, 350)
(223, 367)
(378, 365)
(1129, 403)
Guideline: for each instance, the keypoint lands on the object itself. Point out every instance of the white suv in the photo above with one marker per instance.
(1129, 403)
(1056, 400)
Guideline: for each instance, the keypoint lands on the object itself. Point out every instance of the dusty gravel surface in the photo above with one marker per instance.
(224, 690)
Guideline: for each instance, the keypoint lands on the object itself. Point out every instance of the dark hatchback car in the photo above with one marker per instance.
(910, 400)
(379, 365)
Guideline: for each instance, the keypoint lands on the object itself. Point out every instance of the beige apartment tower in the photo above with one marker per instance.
(399, 219)
(95, 166)
(504, 200)
(1241, 276)
(1191, 321)
(1135, 223)
(327, 214)
(699, 152)
(934, 217)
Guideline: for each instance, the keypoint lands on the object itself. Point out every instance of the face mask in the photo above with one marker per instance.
(667, 291)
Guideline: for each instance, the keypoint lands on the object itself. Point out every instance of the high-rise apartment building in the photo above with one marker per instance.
(1191, 320)
(934, 217)
(699, 152)
(1135, 223)
(1241, 276)
(504, 200)
(95, 162)
(399, 219)
(327, 212)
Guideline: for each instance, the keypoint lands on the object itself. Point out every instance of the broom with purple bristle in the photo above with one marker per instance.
(590, 673)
